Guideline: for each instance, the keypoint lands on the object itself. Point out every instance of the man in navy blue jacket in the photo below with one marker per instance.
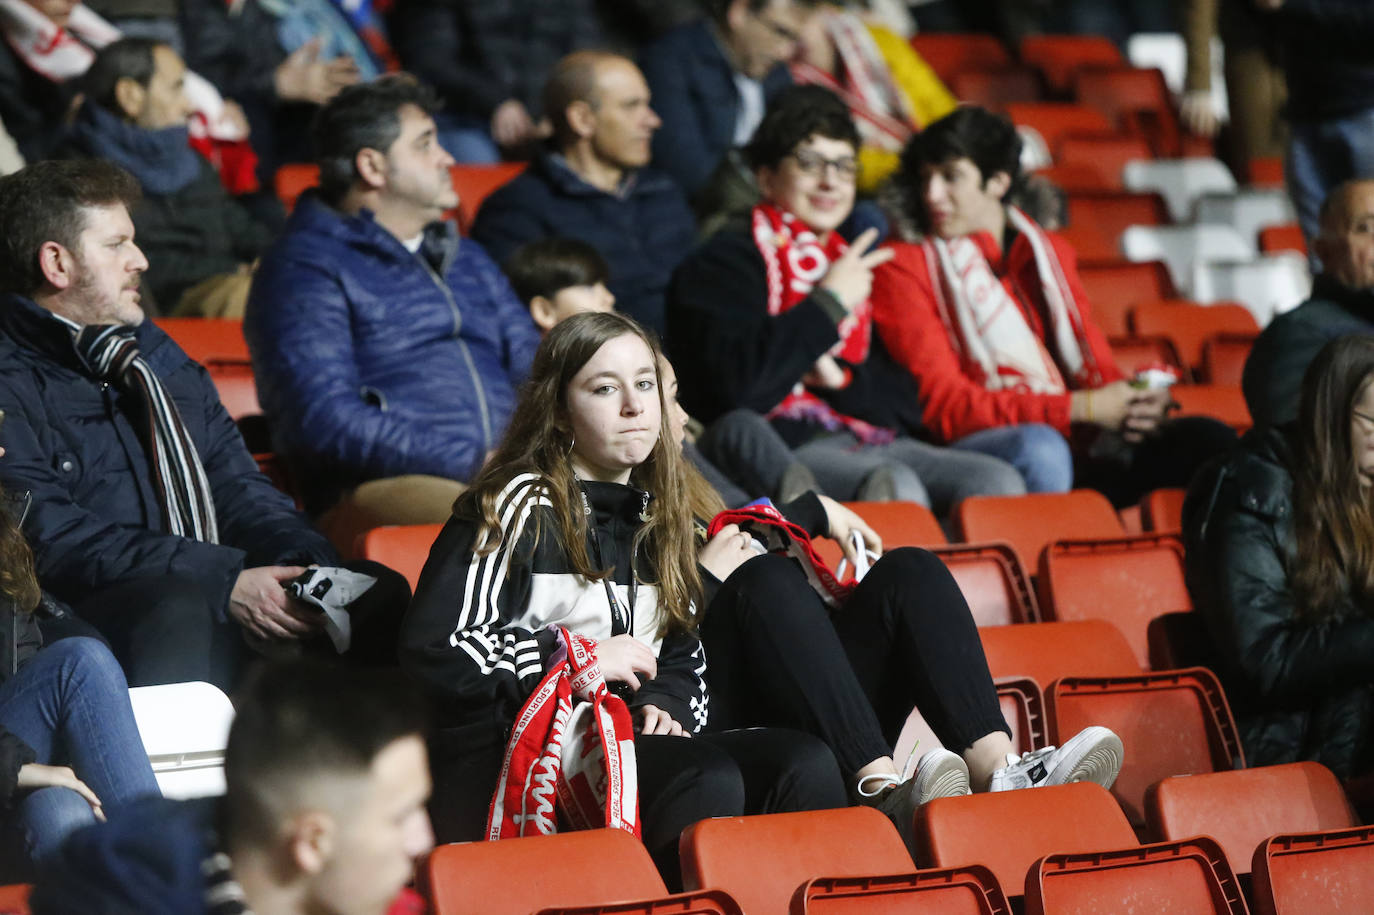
(712, 79)
(387, 350)
(148, 513)
(593, 185)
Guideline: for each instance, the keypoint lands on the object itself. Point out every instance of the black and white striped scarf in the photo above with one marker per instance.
(111, 353)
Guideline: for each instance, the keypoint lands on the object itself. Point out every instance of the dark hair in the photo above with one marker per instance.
(794, 116)
(573, 79)
(1333, 516)
(300, 721)
(545, 266)
(18, 580)
(44, 202)
(127, 58)
(968, 132)
(363, 116)
(717, 9)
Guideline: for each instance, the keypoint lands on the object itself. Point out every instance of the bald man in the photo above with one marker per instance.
(1342, 303)
(593, 183)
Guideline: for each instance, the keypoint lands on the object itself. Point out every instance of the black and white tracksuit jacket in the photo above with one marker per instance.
(481, 627)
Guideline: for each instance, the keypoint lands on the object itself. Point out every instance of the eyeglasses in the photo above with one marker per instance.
(814, 165)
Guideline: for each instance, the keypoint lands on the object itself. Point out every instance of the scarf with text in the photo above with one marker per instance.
(988, 328)
(111, 353)
(795, 259)
(571, 749)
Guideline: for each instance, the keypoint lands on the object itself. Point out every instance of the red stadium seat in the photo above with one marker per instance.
(994, 89)
(993, 581)
(1162, 510)
(1134, 353)
(294, 179)
(1265, 171)
(1023, 707)
(1190, 325)
(238, 391)
(474, 183)
(949, 53)
(14, 899)
(1054, 121)
(1223, 358)
(1104, 155)
(1045, 652)
(1190, 876)
(1096, 221)
(1219, 401)
(207, 339)
(1287, 237)
(700, 902)
(1031, 521)
(1136, 100)
(1060, 57)
(403, 547)
(1113, 288)
(1315, 872)
(968, 890)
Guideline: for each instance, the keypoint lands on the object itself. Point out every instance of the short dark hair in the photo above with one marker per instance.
(298, 721)
(45, 202)
(127, 58)
(795, 115)
(548, 265)
(363, 116)
(717, 9)
(572, 79)
(968, 132)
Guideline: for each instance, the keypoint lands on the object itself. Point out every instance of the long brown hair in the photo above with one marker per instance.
(1333, 517)
(18, 580)
(539, 441)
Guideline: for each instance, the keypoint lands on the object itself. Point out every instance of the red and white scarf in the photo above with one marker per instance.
(882, 113)
(988, 327)
(571, 749)
(778, 535)
(795, 259)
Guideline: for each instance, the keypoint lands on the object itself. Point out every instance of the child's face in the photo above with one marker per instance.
(574, 300)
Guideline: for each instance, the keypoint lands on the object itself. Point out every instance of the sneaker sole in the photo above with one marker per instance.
(1092, 756)
(949, 778)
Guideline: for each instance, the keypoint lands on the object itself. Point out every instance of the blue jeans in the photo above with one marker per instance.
(1322, 154)
(70, 704)
(1038, 451)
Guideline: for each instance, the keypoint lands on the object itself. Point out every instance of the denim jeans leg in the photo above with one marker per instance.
(1039, 452)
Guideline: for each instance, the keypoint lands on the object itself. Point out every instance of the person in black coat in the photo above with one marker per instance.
(1280, 563)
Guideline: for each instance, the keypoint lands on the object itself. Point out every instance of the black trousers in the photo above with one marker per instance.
(164, 629)
(681, 780)
(905, 638)
(1169, 457)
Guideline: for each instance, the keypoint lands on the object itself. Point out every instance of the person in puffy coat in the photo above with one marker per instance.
(1280, 563)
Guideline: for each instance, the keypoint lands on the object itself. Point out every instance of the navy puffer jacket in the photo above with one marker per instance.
(73, 442)
(374, 362)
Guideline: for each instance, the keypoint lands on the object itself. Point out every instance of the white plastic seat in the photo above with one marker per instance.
(1181, 247)
(185, 729)
(1179, 181)
(1269, 286)
(1035, 152)
(1247, 211)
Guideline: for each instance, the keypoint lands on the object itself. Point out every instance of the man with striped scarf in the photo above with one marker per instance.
(148, 513)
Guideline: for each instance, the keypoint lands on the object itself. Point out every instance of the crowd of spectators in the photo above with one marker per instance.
(856, 289)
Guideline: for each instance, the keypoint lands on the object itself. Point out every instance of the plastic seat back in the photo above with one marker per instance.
(1289, 237)
(1190, 325)
(993, 581)
(1008, 831)
(1113, 288)
(1180, 181)
(1297, 797)
(1135, 353)
(1162, 510)
(1183, 248)
(519, 876)
(1225, 402)
(998, 87)
(1170, 723)
(1052, 121)
(1188, 878)
(701, 902)
(1269, 286)
(1315, 872)
(403, 547)
(1248, 210)
(762, 860)
(1098, 222)
(1265, 171)
(294, 179)
(1060, 57)
(1022, 703)
(898, 523)
(1223, 358)
(474, 183)
(14, 899)
(1044, 652)
(969, 890)
(207, 339)
(1126, 580)
(1031, 521)
(185, 729)
(1136, 99)
(236, 386)
(1105, 156)
(950, 53)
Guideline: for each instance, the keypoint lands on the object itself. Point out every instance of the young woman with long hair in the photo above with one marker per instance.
(1280, 561)
(580, 520)
(70, 752)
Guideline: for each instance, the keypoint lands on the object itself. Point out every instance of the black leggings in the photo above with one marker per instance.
(681, 780)
(904, 638)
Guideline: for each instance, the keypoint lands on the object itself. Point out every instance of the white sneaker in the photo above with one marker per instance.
(1092, 755)
(940, 773)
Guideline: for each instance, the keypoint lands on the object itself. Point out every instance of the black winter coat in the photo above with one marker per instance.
(1299, 690)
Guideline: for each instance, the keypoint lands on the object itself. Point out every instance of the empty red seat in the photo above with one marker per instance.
(207, 339)
(1127, 581)
(1162, 510)
(474, 183)
(238, 391)
(1297, 797)
(1287, 237)
(1186, 877)
(993, 581)
(1219, 401)
(1104, 155)
(1097, 221)
(700, 902)
(1190, 325)
(1053, 121)
(762, 860)
(1170, 723)
(14, 899)
(1223, 358)
(1136, 100)
(294, 179)
(996, 88)
(1045, 652)
(403, 547)
(1113, 288)
(1315, 873)
(1060, 57)
(949, 53)
(1265, 171)
(969, 890)
(1029, 522)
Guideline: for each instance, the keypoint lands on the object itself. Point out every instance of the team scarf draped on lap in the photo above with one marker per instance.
(988, 328)
(572, 750)
(795, 259)
(111, 353)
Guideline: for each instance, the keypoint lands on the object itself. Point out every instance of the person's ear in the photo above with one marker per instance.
(131, 96)
(311, 839)
(581, 118)
(736, 13)
(998, 185)
(57, 265)
(371, 167)
(766, 178)
(543, 312)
